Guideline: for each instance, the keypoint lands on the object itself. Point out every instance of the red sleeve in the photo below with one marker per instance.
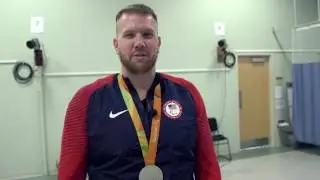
(72, 163)
(207, 166)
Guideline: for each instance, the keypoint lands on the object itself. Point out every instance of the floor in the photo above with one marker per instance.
(293, 165)
(266, 164)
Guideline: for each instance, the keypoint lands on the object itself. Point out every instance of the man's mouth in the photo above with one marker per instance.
(140, 55)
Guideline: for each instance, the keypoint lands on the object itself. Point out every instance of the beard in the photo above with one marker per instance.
(136, 67)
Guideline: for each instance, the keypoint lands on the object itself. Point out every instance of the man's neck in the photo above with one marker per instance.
(141, 82)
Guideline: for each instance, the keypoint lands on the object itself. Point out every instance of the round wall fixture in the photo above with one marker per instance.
(229, 59)
(23, 72)
(224, 55)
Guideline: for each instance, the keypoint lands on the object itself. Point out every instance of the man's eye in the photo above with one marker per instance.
(148, 35)
(128, 35)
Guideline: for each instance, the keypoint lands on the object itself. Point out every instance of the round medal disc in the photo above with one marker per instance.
(151, 172)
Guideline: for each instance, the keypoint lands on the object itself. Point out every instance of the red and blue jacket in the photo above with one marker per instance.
(106, 148)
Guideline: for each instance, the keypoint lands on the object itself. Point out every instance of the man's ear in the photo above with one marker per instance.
(116, 45)
(159, 41)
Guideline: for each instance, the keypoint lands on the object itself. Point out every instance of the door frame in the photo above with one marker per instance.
(270, 110)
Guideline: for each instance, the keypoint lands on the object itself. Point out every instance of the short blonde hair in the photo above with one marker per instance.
(139, 9)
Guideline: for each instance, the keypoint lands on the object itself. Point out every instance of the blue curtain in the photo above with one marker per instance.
(306, 103)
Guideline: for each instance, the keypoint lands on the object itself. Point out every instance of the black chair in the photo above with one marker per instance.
(219, 139)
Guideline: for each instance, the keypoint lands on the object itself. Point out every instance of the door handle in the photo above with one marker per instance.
(240, 99)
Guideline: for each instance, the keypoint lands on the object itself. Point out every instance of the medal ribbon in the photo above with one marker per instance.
(149, 150)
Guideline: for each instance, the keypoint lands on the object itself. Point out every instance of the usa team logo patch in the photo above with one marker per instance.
(172, 109)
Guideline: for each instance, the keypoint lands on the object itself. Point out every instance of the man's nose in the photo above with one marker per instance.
(139, 42)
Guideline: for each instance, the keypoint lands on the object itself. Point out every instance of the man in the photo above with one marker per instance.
(138, 124)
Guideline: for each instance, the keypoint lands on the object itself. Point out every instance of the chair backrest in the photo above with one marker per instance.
(213, 124)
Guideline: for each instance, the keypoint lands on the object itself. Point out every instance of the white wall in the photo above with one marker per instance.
(307, 38)
(78, 38)
(20, 150)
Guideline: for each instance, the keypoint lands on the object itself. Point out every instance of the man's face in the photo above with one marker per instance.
(137, 42)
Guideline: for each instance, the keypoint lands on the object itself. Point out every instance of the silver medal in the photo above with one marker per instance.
(151, 172)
